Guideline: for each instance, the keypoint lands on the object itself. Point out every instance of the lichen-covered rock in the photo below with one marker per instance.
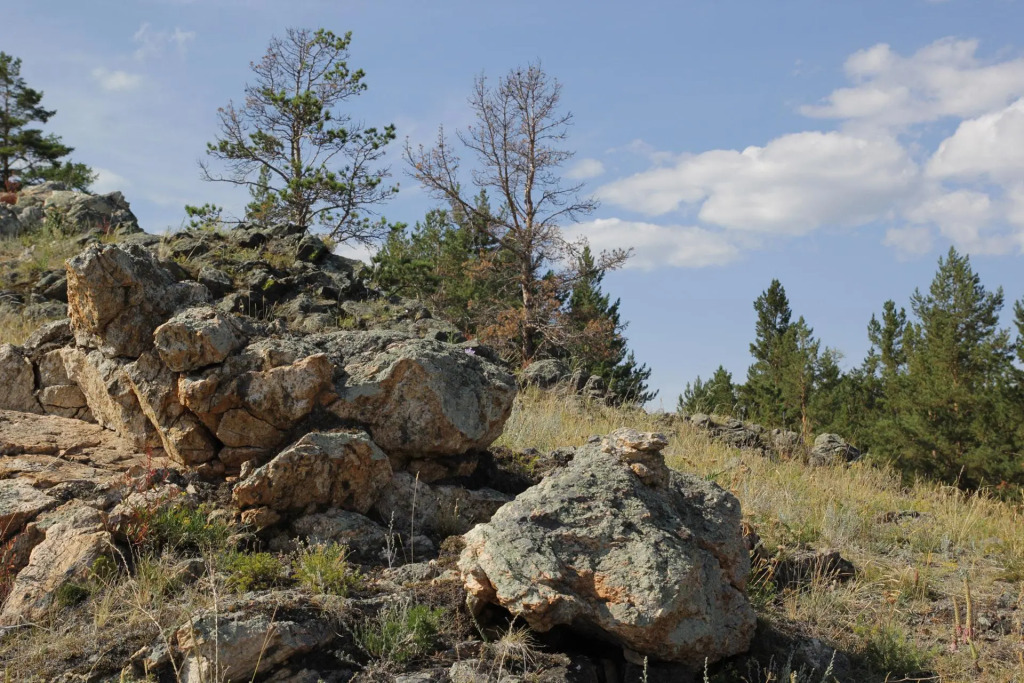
(831, 449)
(658, 568)
(254, 397)
(17, 381)
(74, 539)
(334, 469)
(109, 395)
(420, 397)
(244, 638)
(20, 502)
(118, 295)
(184, 437)
(198, 337)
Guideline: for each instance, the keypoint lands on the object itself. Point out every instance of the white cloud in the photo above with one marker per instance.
(116, 81)
(793, 185)
(943, 79)
(655, 246)
(991, 145)
(584, 169)
(108, 181)
(154, 42)
(972, 220)
(909, 241)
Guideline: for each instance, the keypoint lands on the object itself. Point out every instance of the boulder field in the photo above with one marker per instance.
(317, 410)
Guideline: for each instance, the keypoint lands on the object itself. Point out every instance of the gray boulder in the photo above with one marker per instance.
(832, 449)
(334, 469)
(620, 548)
(419, 397)
(545, 373)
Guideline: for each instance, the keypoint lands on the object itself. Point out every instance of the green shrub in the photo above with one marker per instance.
(179, 527)
(72, 593)
(400, 632)
(325, 569)
(255, 571)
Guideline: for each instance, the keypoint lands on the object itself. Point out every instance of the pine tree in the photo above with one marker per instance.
(948, 405)
(718, 395)
(764, 390)
(26, 154)
(295, 147)
(592, 336)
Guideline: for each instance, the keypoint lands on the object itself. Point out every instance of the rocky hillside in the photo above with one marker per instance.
(288, 478)
(228, 459)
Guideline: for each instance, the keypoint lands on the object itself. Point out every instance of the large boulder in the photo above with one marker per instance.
(618, 547)
(420, 397)
(198, 337)
(333, 469)
(17, 381)
(118, 295)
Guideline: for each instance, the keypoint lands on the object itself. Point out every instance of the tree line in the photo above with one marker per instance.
(492, 257)
(939, 393)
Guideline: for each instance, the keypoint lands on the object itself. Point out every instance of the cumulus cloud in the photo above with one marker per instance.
(116, 80)
(655, 246)
(989, 146)
(584, 169)
(943, 79)
(793, 185)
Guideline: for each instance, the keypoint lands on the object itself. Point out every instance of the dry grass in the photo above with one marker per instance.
(15, 327)
(900, 606)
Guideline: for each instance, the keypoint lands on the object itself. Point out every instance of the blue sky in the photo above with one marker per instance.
(841, 147)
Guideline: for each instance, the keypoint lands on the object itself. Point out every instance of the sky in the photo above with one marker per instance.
(841, 147)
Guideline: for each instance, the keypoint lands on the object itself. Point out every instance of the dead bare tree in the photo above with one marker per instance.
(517, 144)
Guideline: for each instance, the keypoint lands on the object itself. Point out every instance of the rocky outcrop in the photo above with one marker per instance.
(71, 211)
(651, 562)
(331, 469)
(118, 295)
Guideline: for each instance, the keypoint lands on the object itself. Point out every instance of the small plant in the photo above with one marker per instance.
(72, 593)
(253, 571)
(177, 526)
(514, 650)
(400, 632)
(324, 568)
(888, 650)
